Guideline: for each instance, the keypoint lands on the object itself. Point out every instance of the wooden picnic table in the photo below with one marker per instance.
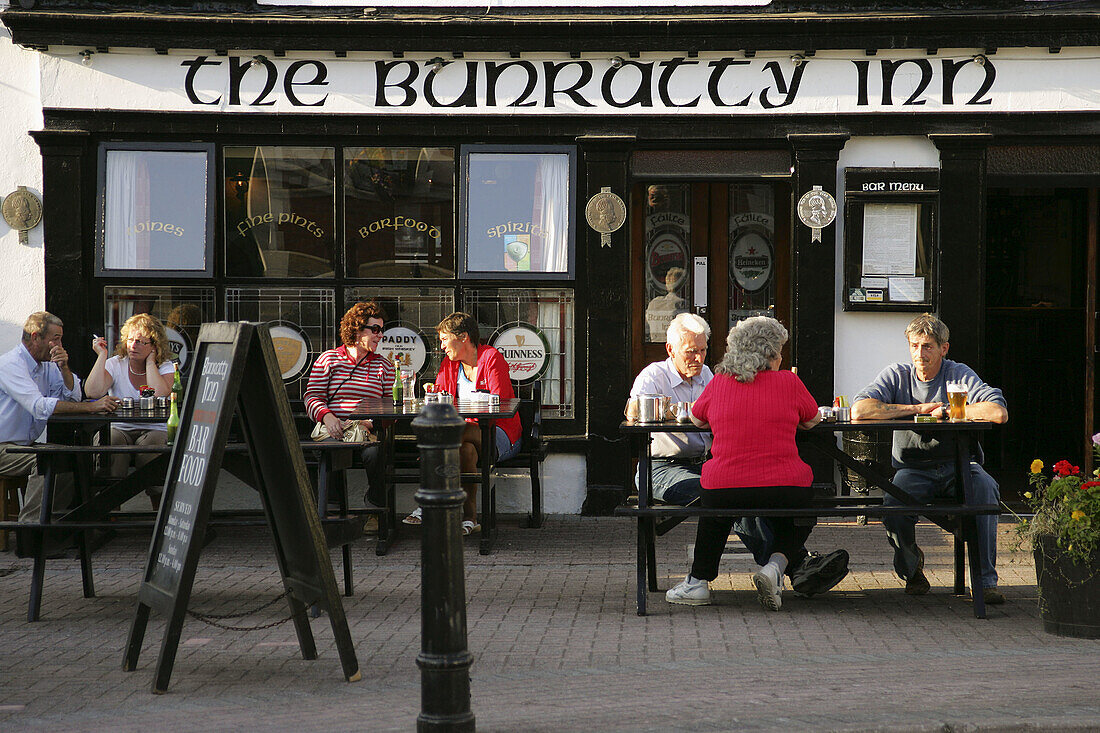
(99, 497)
(956, 517)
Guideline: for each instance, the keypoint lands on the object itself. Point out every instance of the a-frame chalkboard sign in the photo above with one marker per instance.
(235, 371)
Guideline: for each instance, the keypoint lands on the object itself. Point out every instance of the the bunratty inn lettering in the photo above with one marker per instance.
(697, 84)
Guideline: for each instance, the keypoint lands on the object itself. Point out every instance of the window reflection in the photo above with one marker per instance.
(155, 214)
(667, 248)
(519, 212)
(182, 310)
(399, 212)
(279, 211)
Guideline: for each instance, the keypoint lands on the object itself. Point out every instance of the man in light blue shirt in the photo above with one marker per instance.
(35, 383)
(678, 457)
(925, 465)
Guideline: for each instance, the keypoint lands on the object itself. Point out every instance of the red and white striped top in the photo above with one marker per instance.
(337, 383)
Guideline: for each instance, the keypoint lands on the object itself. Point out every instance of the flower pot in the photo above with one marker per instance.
(1069, 591)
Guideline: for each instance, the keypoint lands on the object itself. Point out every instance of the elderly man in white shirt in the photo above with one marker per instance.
(678, 457)
(35, 383)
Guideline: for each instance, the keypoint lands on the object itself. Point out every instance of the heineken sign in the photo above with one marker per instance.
(525, 349)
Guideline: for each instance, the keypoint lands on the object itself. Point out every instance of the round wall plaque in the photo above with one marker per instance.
(605, 212)
(22, 210)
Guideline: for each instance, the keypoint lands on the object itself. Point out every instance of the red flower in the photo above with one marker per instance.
(1065, 468)
(1089, 484)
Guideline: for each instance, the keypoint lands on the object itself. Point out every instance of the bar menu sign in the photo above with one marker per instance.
(179, 526)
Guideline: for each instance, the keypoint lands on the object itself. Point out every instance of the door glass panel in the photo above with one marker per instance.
(752, 251)
(667, 256)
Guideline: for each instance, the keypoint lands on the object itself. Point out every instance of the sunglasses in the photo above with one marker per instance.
(373, 328)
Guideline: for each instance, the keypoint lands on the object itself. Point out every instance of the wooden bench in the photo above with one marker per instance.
(96, 506)
(959, 519)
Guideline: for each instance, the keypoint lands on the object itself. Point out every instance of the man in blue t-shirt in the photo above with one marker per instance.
(925, 465)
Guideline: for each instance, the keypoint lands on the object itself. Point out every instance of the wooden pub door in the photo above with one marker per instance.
(720, 250)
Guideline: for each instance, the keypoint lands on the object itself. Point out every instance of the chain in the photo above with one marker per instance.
(212, 619)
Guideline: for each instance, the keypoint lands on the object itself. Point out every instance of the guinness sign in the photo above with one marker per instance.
(524, 348)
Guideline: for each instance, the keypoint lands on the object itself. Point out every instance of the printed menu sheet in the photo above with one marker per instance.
(890, 239)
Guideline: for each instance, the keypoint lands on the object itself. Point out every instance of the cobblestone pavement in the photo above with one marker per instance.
(557, 644)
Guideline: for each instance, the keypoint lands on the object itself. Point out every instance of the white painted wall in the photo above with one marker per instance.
(866, 342)
(24, 289)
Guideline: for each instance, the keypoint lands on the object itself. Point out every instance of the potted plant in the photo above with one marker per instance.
(1064, 534)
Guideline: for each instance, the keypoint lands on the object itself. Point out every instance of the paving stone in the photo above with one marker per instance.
(557, 644)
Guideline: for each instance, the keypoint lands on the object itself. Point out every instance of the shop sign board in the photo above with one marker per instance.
(236, 373)
(782, 83)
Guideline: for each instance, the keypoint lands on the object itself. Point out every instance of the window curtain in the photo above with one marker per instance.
(552, 212)
(127, 203)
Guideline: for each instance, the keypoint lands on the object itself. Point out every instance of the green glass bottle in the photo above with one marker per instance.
(177, 385)
(173, 420)
(397, 394)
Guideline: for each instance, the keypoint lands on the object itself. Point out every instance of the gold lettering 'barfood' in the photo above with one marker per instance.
(283, 218)
(396, 223)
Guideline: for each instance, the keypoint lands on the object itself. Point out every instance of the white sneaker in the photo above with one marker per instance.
(769, 587)
(690, 592)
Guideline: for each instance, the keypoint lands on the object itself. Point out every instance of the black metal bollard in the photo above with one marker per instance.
(444, 660)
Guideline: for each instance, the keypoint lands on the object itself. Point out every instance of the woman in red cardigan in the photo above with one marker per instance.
(470, 367)
(753, 409)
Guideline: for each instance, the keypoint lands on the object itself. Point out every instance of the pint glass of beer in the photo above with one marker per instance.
(956, 399)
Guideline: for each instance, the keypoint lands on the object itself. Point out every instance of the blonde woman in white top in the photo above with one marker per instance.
(142, 358)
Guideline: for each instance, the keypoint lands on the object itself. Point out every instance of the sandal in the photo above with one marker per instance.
(416, 518)
(470, 526)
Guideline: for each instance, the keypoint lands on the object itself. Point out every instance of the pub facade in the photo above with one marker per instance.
(574, 177)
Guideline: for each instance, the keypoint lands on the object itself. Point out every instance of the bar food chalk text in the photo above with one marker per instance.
(192, 471)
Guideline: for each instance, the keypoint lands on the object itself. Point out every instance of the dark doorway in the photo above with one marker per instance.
(1040, 253)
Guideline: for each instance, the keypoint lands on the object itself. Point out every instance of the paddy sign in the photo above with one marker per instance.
(408, 342)
(525, 349)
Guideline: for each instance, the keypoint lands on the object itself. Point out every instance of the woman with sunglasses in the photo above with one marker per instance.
(342, 376)
(142, 359)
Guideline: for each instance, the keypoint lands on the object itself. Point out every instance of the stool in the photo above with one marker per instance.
(9, 503)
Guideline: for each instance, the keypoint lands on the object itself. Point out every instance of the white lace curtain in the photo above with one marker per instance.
(552, 211)
(127, 200)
